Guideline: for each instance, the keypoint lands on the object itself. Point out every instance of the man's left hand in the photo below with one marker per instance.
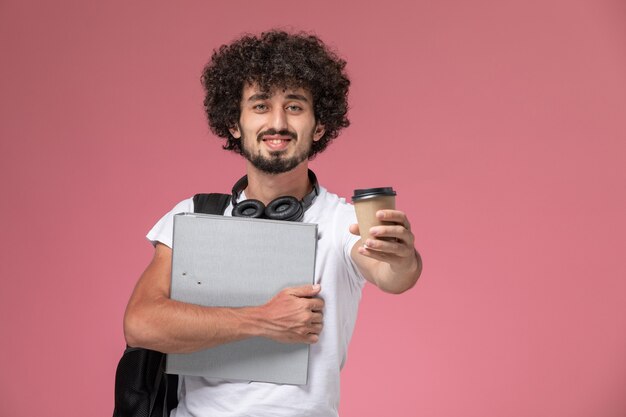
(393, 265)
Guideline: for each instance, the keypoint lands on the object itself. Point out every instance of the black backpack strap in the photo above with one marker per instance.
(142, 388)
(141, 385)
(213, 203)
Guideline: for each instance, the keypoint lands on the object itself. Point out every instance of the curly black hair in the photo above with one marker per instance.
(276, 59)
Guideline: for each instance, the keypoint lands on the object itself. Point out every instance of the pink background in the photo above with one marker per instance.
(502, 124)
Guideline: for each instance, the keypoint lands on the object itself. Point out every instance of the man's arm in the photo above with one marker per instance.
(392, 265)
(154, 321)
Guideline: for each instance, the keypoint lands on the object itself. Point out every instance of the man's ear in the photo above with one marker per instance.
(235, 131)
(319, 132)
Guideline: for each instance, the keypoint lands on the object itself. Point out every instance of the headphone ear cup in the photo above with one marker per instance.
(285, 208)
(249, 208)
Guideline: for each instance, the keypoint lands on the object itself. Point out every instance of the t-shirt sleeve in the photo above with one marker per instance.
(348, 242)
(163, 230)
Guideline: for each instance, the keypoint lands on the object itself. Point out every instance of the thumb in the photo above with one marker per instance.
(305, 290)
(354, 229)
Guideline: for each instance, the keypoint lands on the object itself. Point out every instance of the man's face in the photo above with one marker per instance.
(276, 128)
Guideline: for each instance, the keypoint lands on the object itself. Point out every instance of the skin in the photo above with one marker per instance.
(294, 315)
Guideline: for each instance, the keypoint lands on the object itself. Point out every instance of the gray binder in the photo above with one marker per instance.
(235, 262)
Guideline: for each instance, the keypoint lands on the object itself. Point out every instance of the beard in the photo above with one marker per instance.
(275, 163)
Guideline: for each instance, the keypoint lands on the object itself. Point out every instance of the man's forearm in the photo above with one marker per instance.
(170, 326)
(396, 280)
(154, 321)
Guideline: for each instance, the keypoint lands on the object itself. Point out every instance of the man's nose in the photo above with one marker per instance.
(279, 119)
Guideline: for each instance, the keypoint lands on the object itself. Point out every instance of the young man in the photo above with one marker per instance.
(278, 99)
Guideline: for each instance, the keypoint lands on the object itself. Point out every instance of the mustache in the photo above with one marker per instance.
(283, 132)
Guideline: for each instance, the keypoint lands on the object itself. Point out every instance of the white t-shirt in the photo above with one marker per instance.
(341, 290)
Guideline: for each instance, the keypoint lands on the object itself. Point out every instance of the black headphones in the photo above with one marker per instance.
(282, 208)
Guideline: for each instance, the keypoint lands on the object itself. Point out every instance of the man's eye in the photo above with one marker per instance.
(294, 108)
(260, 107)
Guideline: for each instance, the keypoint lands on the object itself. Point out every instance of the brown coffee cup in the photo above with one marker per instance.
(367, 202)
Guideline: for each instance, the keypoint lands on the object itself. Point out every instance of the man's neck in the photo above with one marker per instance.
(266, 187)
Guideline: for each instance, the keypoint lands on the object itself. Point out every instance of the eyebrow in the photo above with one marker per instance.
(266, 96)
(258, 96)
(297, 97)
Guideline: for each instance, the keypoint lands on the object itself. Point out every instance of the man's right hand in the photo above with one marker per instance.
(294, 315)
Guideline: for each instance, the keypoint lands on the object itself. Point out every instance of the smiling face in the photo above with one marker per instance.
(276, 128)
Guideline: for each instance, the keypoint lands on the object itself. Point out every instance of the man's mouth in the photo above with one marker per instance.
(275, 140)
(276, 143)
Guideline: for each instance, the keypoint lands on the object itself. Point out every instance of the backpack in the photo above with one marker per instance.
(142, 388)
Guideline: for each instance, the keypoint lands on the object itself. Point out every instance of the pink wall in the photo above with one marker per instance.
(501, 123)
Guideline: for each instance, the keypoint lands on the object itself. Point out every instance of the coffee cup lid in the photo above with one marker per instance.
(372, 192)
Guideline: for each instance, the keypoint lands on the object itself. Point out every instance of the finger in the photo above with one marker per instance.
(304, 291)
(378, 255)
(316, 305)
(397, 232)
(317, 318)
(387, 257)
(385, 245)
(395, 248)
(315, 328)
(394, 216)
(354, 229)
